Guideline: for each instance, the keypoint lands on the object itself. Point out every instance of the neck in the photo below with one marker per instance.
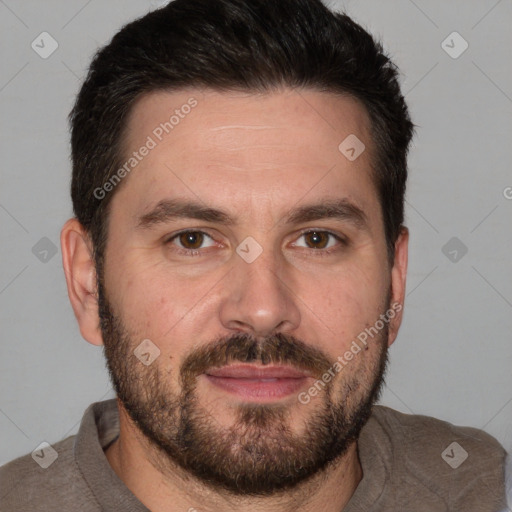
(133, 460)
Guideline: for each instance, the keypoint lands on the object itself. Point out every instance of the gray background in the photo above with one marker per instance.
(453, 356)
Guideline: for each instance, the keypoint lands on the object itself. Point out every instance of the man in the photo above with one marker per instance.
(239, 171)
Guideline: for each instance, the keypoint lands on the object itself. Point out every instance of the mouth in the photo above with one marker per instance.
(258, 383)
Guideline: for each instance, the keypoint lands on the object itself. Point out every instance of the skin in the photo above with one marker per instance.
(255, 157)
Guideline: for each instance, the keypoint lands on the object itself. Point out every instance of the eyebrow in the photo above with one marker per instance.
(341, 209)
(168, 210)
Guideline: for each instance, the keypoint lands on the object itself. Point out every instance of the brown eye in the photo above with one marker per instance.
(191, 239)
(323, 242)
(317, 239)
(191, 243)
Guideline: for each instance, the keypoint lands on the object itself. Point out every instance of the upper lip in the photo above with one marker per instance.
(246, 371)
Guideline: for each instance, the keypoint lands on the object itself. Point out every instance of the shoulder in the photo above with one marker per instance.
(457, 463)
(429, 435)
(48, 479)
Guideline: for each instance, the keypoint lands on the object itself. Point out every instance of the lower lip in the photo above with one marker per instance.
(259, 389)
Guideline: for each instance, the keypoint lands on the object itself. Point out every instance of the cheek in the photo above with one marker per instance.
(159, 304)
(140, 296)
(347, 302)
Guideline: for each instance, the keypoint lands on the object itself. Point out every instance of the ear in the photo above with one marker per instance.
(398, 278)
(80, 271)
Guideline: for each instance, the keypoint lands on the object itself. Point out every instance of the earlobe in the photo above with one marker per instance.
(398, 281)
(80, 272)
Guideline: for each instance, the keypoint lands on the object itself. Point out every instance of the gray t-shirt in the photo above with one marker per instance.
(410, 463)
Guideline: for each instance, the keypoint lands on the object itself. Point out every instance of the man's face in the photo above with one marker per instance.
(249, 305)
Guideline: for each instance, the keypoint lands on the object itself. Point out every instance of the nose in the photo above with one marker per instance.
(258, 298)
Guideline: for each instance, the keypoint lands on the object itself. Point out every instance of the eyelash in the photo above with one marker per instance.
(317, 252)
(187, 252)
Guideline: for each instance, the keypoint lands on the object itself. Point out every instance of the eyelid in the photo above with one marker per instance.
(169, 238)
(342, 240)
(183, 250)
(322, 230)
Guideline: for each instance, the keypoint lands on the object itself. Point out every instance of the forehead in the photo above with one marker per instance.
(242, 148)
(224, 118)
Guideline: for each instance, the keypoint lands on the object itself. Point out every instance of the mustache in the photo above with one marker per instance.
(244, 348)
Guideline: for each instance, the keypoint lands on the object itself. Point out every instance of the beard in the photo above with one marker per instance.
(259, 454)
